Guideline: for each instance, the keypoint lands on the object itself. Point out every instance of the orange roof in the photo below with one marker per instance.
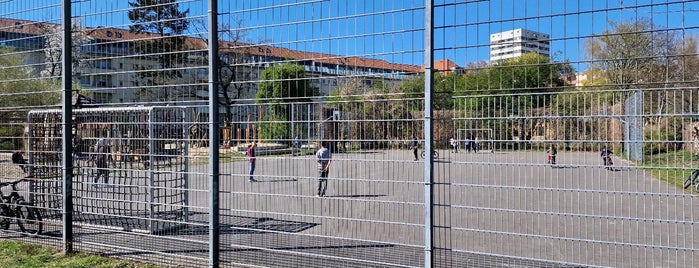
(445, 65)
(332, 59)
(20, 26)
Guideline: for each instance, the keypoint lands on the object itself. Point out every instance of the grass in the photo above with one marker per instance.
(671, 167)
(16, 254)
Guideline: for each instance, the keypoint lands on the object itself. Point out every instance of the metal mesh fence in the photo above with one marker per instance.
(562, 133)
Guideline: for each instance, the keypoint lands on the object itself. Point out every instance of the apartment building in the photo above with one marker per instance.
(111, 72)
(514, 43)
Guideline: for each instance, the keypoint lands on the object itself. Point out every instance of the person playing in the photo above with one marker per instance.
(251, 159)
(454, 144)
(101, 156)
(475, 144)
(297, 144)
(467, 144)
(414, 145)
(324, 158)
(76, 149)
(606, 158)
(552, 151)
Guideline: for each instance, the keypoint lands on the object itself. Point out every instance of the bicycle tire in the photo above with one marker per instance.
(28, 218)
(691, 179)
(6, 216)
(435, 154)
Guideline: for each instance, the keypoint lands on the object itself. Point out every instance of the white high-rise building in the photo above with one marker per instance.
(514, 43)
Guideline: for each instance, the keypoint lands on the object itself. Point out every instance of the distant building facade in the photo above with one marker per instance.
(111, 72)
(514, 43)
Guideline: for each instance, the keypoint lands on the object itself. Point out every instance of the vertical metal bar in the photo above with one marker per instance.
(214, 226)
(67, 84)
(153, 156)
(185, 160)
(429, 63)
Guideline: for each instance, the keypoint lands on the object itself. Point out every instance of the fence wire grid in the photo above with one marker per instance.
(461, 133)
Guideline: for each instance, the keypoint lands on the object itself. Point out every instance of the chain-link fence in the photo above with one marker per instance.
(247, 133)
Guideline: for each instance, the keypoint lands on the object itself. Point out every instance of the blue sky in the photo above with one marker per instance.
(393, 29)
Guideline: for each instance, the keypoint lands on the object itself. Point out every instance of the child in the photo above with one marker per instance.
(552, 151)
(606, 158)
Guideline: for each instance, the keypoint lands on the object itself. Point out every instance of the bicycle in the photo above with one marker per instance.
(692, 181)
(435, 154)
(607, 159)
(14, 207)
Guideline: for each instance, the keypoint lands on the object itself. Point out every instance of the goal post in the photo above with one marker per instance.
(146, 187)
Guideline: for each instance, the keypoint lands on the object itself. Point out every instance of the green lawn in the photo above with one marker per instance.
(15, 254)
(669, 166)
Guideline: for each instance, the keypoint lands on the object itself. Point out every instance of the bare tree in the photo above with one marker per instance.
(234, 67)
(632, 54)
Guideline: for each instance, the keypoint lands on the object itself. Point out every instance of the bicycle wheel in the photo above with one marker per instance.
(28, 218)
(6, 216)
(691, 179)
(435, 154)
(422, 154)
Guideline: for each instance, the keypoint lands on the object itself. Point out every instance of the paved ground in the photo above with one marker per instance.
(492, 210)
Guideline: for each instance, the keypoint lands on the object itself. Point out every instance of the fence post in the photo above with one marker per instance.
(429, 64)
(214, 225)
(66, 80)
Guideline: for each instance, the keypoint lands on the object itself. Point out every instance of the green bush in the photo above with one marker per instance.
(661, 141)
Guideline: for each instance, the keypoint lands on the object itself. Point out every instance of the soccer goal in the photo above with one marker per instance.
(146, 183)
(483, 136)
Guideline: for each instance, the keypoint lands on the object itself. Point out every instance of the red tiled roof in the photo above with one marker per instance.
(20, 26)
(445, 65)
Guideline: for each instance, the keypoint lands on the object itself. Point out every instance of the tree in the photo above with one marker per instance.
(376, 114)
(631, 54)
(163, 19)
(529, 73)
(20, 91)
(688, 61)
(53, 44)
(642, 55)
(234, 68)
(281, 85)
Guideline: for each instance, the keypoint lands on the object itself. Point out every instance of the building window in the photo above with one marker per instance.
(85, 81)
(103, 64)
